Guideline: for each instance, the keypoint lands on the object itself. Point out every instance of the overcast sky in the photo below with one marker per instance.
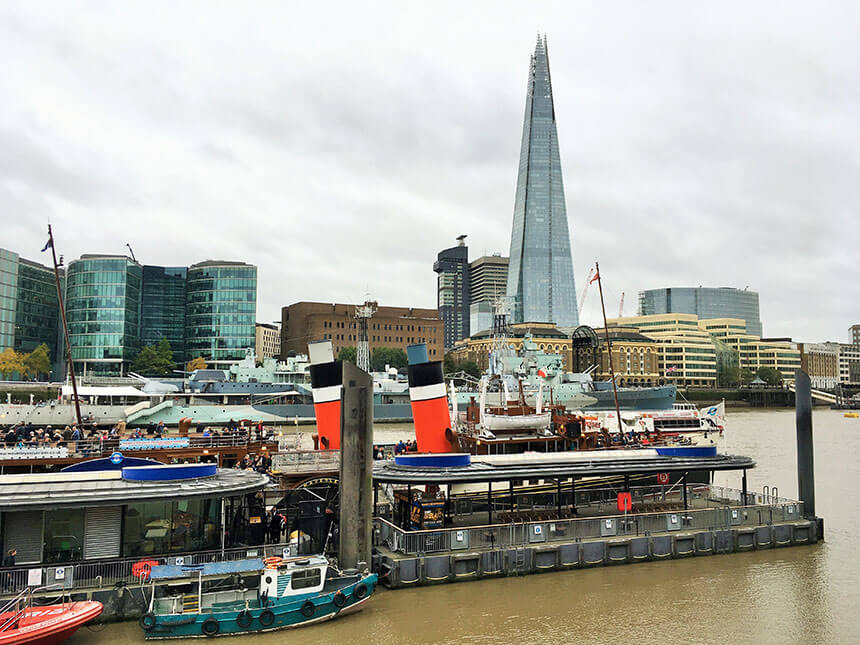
(340, 147)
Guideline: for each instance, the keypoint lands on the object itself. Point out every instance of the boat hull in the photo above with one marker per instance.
(283, 613)
(50, 624)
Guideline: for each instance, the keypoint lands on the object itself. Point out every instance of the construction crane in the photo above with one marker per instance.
(130, 251)
(621, 306)
(585, 290)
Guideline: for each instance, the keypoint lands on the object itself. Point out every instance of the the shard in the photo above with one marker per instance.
(540, 273)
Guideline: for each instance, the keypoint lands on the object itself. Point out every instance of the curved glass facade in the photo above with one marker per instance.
(705, 302)
(221, 310)
(103, 295)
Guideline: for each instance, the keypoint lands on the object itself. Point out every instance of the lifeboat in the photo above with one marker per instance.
(46, 624)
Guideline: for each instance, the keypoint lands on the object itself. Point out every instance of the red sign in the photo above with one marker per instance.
(663, 478)
(625, 502)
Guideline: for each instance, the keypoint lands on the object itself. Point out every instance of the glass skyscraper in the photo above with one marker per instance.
(221, 309)
(452, 291)
(541, 287)
(103, 312)
(163, 308)
(705, 302)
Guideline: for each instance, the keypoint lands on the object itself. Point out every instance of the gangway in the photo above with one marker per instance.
(821, 395)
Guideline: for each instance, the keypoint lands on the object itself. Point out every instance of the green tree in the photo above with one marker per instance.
(11, 362)
(746, 375)
(154, 360)
(449, 365)
(196, 364)
(38, 362)
(769, 375)
(382, 356)
(347, 354)
(471, 368)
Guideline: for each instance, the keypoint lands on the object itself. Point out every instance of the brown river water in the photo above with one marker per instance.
(791, 595)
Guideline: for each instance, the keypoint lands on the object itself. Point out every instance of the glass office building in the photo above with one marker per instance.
(103, 299)
(452, 292)
(540, 272)
(8, 297)
(220, 312)
(705, 302)
(163, 308)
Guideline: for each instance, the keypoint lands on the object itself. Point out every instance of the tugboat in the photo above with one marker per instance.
(250, 596)
(23, 622)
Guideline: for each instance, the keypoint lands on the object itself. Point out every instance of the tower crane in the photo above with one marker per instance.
(621, 306)
(585, 290)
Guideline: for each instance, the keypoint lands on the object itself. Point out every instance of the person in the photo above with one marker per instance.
(76, 433)
(9, 560)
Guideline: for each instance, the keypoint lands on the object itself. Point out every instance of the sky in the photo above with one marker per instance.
(340, 146)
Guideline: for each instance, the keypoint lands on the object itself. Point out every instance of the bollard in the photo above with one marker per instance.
(356, 467)
(805, 462)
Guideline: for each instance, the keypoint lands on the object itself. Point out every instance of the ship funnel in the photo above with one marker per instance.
(326, 385)
(429, 402)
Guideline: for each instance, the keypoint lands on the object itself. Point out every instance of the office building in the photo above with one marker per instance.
(704, 302)
(546, 336)
(635, 357)
(103, 296)
(267, 341)
(854, 334)
(453, 291)
(220, 311)
(163, 308)
(304, 322)
(820, 361)
(849, 363)
(29, 309)
(489, 280)
(540, 273)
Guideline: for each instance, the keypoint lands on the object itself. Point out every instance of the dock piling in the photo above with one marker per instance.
(805, 461)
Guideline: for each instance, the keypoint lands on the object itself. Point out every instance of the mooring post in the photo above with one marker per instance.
(805, 462)
(744, 488)
(489, 502)
(356, 468)
(684, 484)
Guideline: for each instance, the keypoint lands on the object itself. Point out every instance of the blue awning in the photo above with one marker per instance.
(167, 571)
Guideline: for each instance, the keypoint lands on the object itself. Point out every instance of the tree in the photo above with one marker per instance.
(769, 375)
(38, 362)
(392, 356)
(347, 354)
(11, 362)
(196, 364)
(746, 375)
(449, 365)
(154, 360)
(471, 368)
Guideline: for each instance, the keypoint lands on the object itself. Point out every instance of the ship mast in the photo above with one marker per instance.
(65, 327)
(609, 349)
(363, 313)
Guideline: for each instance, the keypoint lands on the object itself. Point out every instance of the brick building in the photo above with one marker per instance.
(303, 322)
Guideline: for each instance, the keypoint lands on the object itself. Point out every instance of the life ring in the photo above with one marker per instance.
(360, 591)
(143, 568)
(244, 619)
(339, 599)
(307, 609)
(147, 621)
(272, 562)
(267, 617)
(210, 626)
(662, 478)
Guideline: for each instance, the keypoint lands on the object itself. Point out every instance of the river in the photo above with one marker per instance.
(791, 595)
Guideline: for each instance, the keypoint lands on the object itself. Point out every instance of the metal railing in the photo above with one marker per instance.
(521, 532)
(110, 573)
(298, 461)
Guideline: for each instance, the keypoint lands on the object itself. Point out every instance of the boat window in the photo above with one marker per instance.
(306, 578)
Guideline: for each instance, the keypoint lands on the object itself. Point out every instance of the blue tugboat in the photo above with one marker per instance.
(249, 596)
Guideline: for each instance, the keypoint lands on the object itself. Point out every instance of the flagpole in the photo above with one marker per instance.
(609, 351)
(65, 329)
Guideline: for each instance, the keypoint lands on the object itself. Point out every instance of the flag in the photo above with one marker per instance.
(596, 277)
(47, 246)
(541, 373)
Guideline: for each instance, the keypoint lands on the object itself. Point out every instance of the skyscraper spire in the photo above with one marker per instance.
(540, 274)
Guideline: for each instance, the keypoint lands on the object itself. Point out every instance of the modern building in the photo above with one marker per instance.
(704, 302)
(821, 362)
(849, 363)
(489, 283)
(854, 334)
(687, 356)
(163, 308)
(103, 298)
(453, 291)
(221, 311)
(29, 309)
(303, 322)
(267, 341)
(540, 273)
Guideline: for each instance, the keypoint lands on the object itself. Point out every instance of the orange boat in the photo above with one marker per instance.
(22, 622)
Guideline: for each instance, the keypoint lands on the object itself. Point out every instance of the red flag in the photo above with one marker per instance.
(596, 277)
